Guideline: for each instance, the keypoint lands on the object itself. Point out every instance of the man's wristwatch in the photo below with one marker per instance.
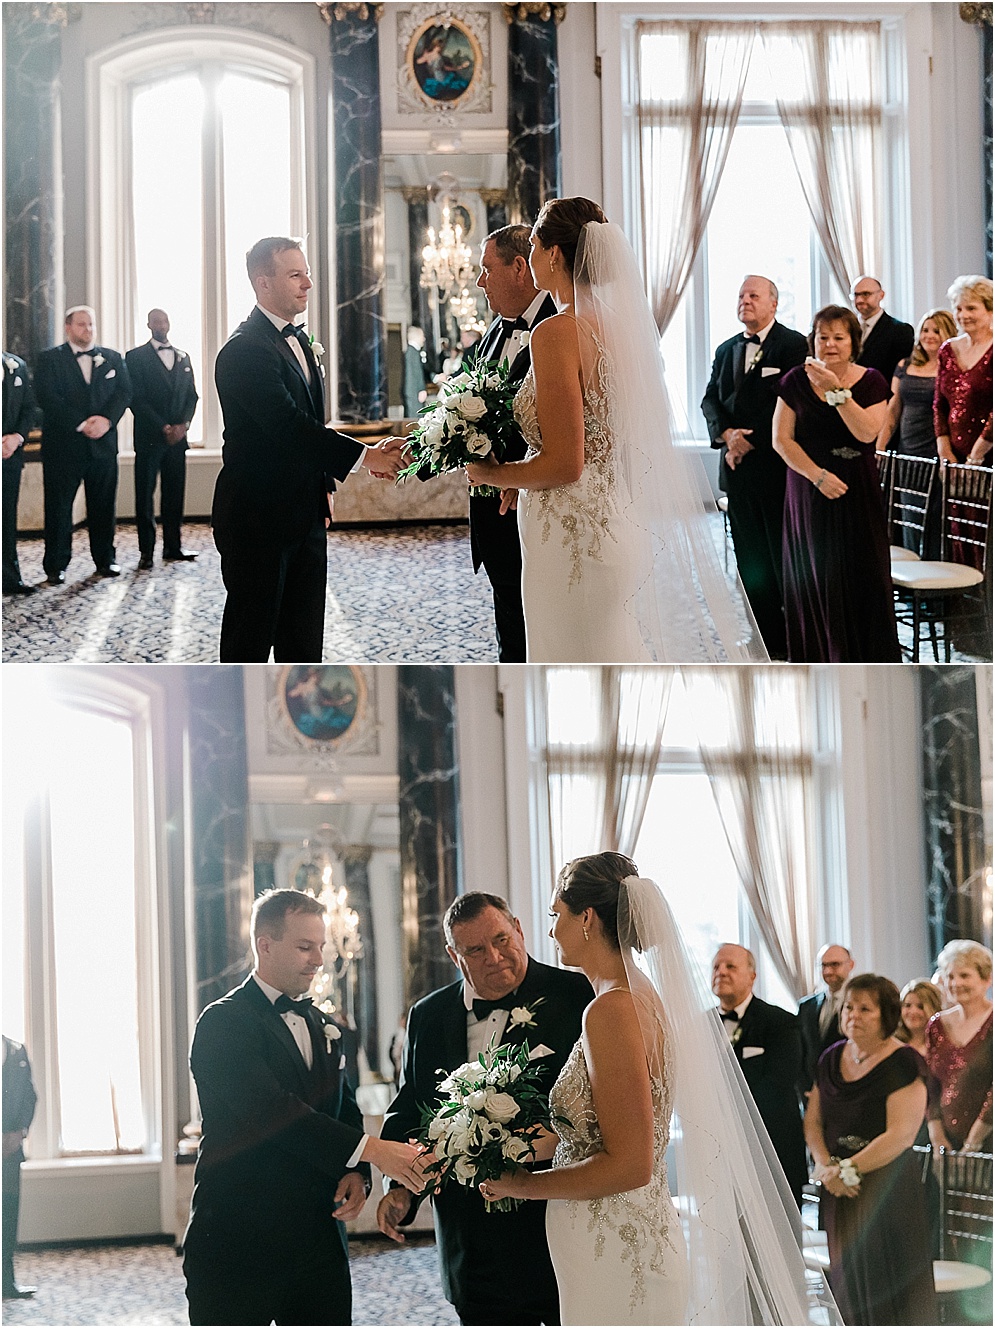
(837, 395)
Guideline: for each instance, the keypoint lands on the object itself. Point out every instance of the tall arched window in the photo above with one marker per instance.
(201, 146)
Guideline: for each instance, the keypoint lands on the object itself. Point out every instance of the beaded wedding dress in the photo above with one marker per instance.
(622, 565)
(619, 1259)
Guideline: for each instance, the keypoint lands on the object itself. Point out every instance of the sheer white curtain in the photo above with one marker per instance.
(605, 729)
(764, 790)
(833, 124)
(691, 81)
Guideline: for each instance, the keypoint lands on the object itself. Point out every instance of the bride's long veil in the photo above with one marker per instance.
(742, 1223)
(685, 607)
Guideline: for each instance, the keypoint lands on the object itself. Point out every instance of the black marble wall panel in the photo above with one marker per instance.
(421, 313)
(533, 117)
(33, 192)
(361, 330)
(429, 815)
(221, 852)
(497, 209)
(952, 806)
(356, 860)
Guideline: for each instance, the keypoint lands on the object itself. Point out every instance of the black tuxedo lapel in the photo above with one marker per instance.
(274, 1027)
(455, 1049)
(262, 324)
(738, 362)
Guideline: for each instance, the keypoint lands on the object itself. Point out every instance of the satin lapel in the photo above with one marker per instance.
(264, 324)
(515, 1035)
(738, 362)
(274, 1027)
(75, 381)
(317, 384)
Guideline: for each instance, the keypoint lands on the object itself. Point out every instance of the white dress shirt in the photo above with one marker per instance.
(166, 353)
(294, 344)
(85, 361)
(752, 349)
(731, 1026)
(510, 347)
(867, 328)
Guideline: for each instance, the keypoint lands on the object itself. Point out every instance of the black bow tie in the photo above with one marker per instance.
(78, 353)
(730, 1014)
(164, 346)
(754, 339)
(510, 325)
(291, 330)
(482, 1009)
(287, 1005)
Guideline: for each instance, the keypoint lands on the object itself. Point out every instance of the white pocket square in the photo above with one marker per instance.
(767, 369)
(112, 373)
(537, 1053)
(752, 1051)
(17, 381)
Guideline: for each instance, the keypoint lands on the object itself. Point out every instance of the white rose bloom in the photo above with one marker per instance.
(514, 1149)
(456, 1142)
(433, 433)
(460, 380)
(437, 1128)
(513, 1072)
(478, 1100)
(465, 1170)
(472, 407)
(502, 1107)
(477, 444)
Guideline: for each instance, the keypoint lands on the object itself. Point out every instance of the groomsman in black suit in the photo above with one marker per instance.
(20, 416)
(84, 389)
(506, 280)
(883, 339)
(280, 464)
(164, 398)
(768, 1047)
(495, 1266)
(283, 1159)
(19, 1100)
(738, 406)
(819, 1015)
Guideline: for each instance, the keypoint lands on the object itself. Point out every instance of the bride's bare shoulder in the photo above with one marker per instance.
(557, 334)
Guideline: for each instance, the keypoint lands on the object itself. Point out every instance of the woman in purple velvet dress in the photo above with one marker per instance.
(838, 599)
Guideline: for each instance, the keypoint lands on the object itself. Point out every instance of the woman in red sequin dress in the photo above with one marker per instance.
(962, 406)
(959, 1052)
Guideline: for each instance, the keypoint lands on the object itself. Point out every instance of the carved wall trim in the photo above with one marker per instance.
(345, 8)
(979, 14)
(535, 9)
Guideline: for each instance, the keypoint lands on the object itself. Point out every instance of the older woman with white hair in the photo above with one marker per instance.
(959, 1051)
(962, 405)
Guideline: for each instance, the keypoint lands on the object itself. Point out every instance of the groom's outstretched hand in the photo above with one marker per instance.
(386, 458)
(392, 1209)
(401, 1162)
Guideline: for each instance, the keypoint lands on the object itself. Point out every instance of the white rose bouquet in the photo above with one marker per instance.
(471, 418)
(491, 1112)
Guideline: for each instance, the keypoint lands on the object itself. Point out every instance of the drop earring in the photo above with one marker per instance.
(587, 934)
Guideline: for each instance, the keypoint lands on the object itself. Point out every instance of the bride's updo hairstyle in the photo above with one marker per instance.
(593, 881)
(561, 221)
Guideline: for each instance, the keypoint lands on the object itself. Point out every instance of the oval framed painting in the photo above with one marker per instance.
(445, 61)
(323, 702)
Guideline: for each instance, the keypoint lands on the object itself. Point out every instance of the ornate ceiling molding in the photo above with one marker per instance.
(521, 13)
(978, 14)
(346, 8)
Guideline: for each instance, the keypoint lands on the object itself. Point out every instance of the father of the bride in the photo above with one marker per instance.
(283, 1158)
(280, 464)
(495, 1266)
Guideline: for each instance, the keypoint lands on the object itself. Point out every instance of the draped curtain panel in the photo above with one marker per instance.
(833, 124)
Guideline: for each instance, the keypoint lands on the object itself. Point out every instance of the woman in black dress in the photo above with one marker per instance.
(861, 1121)
(838, 601)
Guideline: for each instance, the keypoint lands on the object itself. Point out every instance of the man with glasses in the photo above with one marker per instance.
(883, 339)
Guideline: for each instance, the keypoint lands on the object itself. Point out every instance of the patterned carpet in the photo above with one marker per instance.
(143, 1284)
(397, 594)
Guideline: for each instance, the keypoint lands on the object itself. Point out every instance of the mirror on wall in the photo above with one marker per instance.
(348, 855)
(444, 203)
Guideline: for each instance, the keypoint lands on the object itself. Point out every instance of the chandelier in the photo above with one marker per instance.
(463, 308)
(447, 263)
(342, 940)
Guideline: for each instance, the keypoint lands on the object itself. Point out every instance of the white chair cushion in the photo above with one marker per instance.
(900, 555)
(924, 575)
(949, 1275)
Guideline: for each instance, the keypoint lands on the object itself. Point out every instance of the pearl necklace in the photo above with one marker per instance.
(859, 1059)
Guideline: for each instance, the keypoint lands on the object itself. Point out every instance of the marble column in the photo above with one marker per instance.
(952, 806)
(980, 15)
(533, 109)
(361, 328)
(220, 844)
(32, 44)
(429, 814)
(496, 203)
(421, 312)
(356, 860)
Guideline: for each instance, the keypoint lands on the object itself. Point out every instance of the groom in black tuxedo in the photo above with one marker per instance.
(506, 280)
(83, 389)
(280, 464)
(738, 407)
(768, 1046)
(283, 1159)
(495, 1266)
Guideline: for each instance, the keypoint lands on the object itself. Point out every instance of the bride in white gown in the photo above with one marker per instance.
(619, 561)
(652, 1056)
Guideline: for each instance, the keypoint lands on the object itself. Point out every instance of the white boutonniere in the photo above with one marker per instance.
(18, 382)
(317, 349)
(332, 1034)
(111, 373)
(181, 355)
(522, 1015)
(98, 360)
(10, 363)
(736, 1036)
